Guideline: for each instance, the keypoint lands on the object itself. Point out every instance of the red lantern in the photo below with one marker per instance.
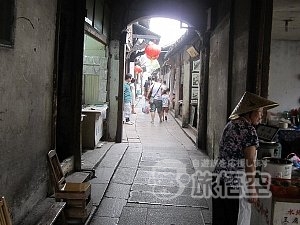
(138, 69)
(152, 51)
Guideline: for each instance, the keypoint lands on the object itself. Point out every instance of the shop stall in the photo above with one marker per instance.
(282, 208)
(92, 125)
(281, 204)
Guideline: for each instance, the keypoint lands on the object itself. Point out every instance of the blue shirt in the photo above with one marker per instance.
(127, 93)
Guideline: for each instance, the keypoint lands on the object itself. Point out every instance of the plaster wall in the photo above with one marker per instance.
(240, 53)
(228, 66)
(172, 91)
(186, 92)
(217, 89)
(177, 86)
(113, 89)
(284, 79)
(26, 106)
(94, 71)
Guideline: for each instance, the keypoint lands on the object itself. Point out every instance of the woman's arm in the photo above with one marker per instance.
(250, 158)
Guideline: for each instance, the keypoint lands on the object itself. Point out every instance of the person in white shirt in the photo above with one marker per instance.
(132, 87)
(165, 104)
(155, 94)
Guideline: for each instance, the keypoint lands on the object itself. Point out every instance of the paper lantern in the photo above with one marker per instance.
(152, 51)
(138, 69)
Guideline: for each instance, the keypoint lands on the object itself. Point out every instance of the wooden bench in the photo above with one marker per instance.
(55, 211)
(45, 213)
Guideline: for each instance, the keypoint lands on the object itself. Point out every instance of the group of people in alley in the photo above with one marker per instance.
(156, 96)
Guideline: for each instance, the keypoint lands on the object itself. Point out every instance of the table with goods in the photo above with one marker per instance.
(280, 159)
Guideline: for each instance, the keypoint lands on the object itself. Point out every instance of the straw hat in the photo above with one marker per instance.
(250, 102)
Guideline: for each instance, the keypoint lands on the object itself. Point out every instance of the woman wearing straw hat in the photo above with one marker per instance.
(237, 155)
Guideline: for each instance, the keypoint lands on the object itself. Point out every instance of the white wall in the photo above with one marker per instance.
(113, 90)
(284, 82)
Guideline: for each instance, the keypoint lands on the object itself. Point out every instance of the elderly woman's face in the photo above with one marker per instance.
(256, 116)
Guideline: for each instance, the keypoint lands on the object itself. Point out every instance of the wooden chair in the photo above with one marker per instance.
(4, 213)
(77, 195)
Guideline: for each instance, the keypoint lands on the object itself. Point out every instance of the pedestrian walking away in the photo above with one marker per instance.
(165, 104)
(133, 96)
(154, 98)
(127, 99)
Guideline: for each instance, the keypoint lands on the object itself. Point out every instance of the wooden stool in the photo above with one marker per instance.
(78, 199)
(76, 195)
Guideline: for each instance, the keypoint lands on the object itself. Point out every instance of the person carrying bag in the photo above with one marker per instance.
(155, 100)
(150, 97)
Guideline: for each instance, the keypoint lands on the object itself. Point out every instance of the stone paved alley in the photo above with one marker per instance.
(149, 178)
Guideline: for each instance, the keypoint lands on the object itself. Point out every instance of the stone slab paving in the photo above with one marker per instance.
(116, 190)
(124, 175)
(90, 158)
(152, 177)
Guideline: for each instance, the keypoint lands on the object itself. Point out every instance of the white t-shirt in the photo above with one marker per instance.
(156, 91)
(132, 87)
(165, 100)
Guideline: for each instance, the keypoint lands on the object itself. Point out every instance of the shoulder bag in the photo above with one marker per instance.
(151, 100)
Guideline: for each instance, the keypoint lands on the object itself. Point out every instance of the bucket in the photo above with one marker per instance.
(268, 149)
(278, 168)
(283, 125)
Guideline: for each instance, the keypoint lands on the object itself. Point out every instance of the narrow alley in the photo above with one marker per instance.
(63, 69)
(149, 177)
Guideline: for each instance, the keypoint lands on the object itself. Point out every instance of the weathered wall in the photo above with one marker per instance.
(217, 89)
(25, 111)
(284, 82)
(186, 90)
(228, 67)
(114, 96)
(177, 81)
(239, 52)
